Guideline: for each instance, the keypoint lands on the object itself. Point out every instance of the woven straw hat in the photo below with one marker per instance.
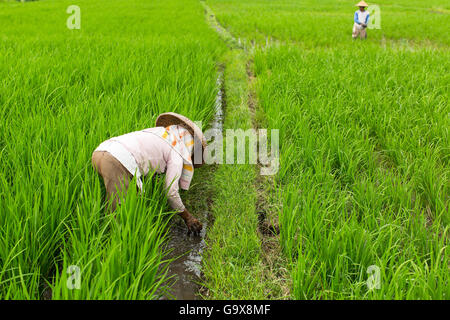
(361, 4)
(172, 118)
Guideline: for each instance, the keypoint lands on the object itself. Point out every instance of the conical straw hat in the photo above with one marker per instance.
(362, 4)
(171, 118)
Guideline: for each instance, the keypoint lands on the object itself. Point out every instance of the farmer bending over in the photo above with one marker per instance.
(361, 20)
(166, 148)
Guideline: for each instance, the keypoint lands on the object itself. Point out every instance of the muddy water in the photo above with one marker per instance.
(187, 250)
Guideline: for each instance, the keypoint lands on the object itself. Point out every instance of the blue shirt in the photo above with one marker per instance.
(357, 13)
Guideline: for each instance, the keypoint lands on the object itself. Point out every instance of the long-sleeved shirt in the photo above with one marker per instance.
(361, 17)
(150, 152)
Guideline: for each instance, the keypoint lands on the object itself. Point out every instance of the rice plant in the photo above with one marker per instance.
(364, 172)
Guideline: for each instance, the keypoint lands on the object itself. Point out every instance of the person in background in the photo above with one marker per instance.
(168, 147)
(361, 20)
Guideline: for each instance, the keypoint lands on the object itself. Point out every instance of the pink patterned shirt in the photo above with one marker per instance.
(151, 152)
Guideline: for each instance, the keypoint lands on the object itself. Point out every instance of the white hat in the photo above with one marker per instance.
(362, 4)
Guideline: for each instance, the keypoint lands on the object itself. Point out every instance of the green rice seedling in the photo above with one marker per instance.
(134, 234)
(348, 201)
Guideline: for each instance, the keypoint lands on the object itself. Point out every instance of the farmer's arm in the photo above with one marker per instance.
(172, 181)
(367, 19)
(173, 174)
(356, 18)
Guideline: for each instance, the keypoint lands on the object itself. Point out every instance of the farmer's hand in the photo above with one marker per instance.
(194, 226)
(364, 25)
(192, 223)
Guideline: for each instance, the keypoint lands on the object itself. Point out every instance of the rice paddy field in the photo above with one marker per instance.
(363, 180)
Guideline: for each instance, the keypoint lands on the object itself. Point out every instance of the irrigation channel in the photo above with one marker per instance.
(187, 250)
(186, 268)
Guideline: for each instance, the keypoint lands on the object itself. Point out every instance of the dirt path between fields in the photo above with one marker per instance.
(266, 206)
